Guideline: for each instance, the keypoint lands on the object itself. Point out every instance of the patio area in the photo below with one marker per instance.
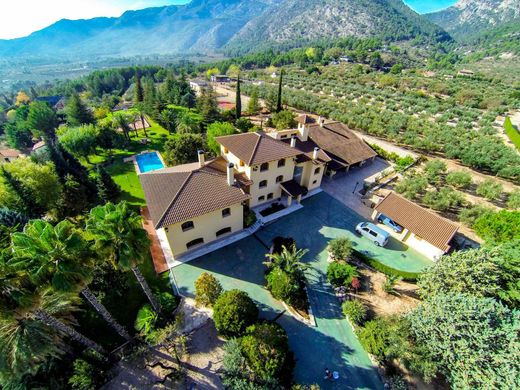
(332, 342)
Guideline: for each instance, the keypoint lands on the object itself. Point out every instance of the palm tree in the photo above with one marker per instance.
(60, 256)
(119, 121)
(140, 112)
(288, 260)
(186, 124)
(118, 234)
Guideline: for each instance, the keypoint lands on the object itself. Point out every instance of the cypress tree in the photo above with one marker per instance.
(279, 101)
(25, 199)
(138, 93)
(108, 190)
(238, 105)
(77, 112)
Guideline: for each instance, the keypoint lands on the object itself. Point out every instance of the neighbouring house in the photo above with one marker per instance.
(220, 78)
(466, 73)
(8, 155)
(195, 204)
(38, 146)
(198, 85)
(344, 148)
(57, 102)
(423, 230)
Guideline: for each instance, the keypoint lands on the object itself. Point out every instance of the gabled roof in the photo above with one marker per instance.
(423, 223)
(340, 142)
(307, 148)
(10, 153)
(257, 148)
(173, 195)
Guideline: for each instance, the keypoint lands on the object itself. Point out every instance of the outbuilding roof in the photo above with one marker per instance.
(10, 153)
(174, 195)
(423, 223)
(257, 148)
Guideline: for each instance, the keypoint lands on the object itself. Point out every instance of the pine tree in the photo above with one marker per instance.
(108, 190)
(253, 106)
(138, 92)
(279, 101)
(77, 112)
(74, 199)
(238, 105)
(207, 105)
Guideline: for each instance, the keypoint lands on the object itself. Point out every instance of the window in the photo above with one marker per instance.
(284, 136)
(317, 170)
(264, 167)
(261, 198)
(297, 174)
(187, 226)
(195, 242)
(279, 179)
(226, 150)
(241, 163)
(226, 212)
(262, 184)
(281, 163)
(315, 181)
(270, 195)
(223, 231)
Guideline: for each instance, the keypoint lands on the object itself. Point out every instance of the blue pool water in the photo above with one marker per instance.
(149, 162)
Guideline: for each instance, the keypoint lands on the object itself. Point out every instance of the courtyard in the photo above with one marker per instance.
(332, 342)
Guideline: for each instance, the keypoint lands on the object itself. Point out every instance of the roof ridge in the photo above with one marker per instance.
(255, 148)
(419, 206)
(158, 224)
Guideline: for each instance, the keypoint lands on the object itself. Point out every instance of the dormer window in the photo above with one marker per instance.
(264, 167)
(187, 226)
(281, 163)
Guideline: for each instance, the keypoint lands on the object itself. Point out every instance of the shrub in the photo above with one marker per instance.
(412, 187)
(389, 283)
(443, 199)
(146, 320)
(286, 287)
(387, 270)
(266, 350)
(470, 215)
(489, 189)
(459, 179)
(434, 170)
(341, 274)
(85, 376)
(233, 312)
(374, 337)
(355, 311)
(340, 248)
(513, 200)
(168, 301)
(499, 227)
(249, 218)
(207, 289)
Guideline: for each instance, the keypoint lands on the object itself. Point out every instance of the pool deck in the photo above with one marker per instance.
(332, 342)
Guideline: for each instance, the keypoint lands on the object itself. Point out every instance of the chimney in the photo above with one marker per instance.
(315, 153)
(230, 174)
(293, 141)
(202, 158)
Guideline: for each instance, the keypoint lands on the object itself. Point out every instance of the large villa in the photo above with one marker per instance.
(197, 208)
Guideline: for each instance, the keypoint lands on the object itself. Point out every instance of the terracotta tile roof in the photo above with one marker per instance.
(307, 148)
(257, 148)
(423, 223)
(38, 145)
(340, 142)
(305, 119)
(173, 196)
(10, 153)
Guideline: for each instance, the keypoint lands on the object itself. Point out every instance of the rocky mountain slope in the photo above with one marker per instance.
(469, 17)
(206, 26)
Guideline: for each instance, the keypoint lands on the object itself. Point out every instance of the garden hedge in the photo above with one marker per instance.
(387, 270)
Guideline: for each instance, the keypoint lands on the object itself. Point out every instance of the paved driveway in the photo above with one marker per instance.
(332, 342)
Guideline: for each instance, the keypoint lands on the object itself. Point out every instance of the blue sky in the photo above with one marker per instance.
(19, 18)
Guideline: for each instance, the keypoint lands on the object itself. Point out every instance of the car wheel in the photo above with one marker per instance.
(377, 243)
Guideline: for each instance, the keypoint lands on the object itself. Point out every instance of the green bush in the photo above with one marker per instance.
(374, 337)
(513, 200)
(408, 276)
(434, 170)
(490, 189)
(85, 376)
(286, 287)
(146, 320)
(207, 289)
(341, 273)
(499, 227)
(470, 215)
(355, 311)
(265, 347)
(249, 218)
(512, 133)
(459, 179)
(233, 312)
(168, 301)
(340, 248)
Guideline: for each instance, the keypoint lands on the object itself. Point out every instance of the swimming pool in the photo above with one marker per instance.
(149, 162)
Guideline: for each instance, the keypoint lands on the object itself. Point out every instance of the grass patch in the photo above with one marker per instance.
(407, 276)
(125, 176)
(512, 132)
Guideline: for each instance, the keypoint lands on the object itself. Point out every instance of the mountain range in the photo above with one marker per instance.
(238, 26)
(206, 26)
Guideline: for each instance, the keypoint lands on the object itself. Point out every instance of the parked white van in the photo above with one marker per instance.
(377, 235)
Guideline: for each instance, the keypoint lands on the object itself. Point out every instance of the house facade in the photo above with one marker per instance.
(195, 204)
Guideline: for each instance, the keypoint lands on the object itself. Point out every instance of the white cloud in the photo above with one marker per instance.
(21, 17)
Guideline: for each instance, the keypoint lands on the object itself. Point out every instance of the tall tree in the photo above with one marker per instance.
(108, 190)
(121, 122)
(140, 109)
(138, 91)
(80, 141)
(58, 256)
(279, 99)
(77, 112)
(118, 234)
(253, 106)
(26, 202)
(207, 105)
(42, 120)
(238, 104)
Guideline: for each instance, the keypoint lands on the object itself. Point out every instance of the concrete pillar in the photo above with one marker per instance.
(299, 199)
(289, 201)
